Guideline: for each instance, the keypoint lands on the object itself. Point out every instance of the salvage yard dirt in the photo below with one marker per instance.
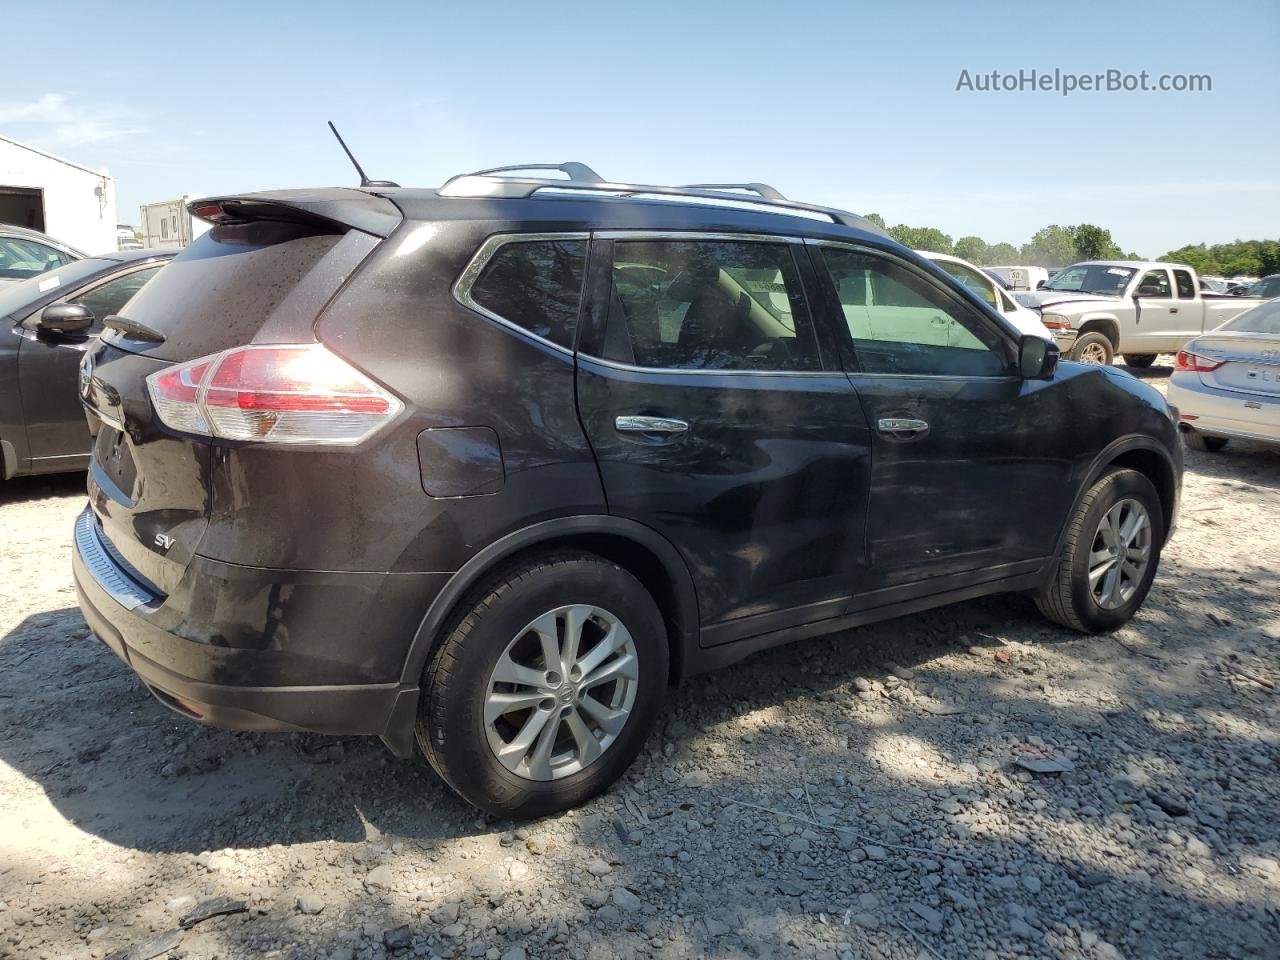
(970, 782)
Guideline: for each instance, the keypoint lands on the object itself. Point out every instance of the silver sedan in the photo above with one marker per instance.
(1226, 383)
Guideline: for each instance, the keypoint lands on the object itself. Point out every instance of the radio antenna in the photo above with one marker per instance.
(364, 179)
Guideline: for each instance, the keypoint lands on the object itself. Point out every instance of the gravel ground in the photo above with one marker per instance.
(854, 796)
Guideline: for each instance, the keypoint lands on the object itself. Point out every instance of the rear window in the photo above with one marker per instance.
(1261, 319)
(1186, 286)
(220, 290)
(535, 285)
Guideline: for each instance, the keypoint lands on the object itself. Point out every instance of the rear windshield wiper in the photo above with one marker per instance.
(133, 329)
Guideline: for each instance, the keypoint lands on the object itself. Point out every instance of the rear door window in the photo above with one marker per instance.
(535, 284)
(709, 305)
(1186, 286)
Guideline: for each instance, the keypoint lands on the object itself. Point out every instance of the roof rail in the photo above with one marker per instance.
(763, 189)
(484, 183)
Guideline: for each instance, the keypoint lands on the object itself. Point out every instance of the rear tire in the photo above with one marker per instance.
(1198, 441)
(469, 715)
(1080, 593)
(1139, 360)
(1092, 347)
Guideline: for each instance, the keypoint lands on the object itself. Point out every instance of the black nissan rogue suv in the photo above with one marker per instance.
(488, 467)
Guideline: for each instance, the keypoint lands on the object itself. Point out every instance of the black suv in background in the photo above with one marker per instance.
(488, 467)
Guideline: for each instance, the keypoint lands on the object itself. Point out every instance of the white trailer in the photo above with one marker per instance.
(1021, 278)
(169, 223)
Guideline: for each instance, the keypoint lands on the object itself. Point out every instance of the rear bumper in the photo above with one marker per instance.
(1224, 413)
(308, 668)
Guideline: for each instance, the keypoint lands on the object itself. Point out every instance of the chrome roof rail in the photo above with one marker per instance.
(763, 189)
(484, 183)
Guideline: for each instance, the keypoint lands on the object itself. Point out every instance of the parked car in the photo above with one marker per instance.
(1022, 278)
(46, 325)
(1226, 383)
(28, 253)
(1139, 309)
(992, 291)
(1267, 288)
(489, 466)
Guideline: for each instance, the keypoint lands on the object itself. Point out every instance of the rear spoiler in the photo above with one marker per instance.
(332, 208)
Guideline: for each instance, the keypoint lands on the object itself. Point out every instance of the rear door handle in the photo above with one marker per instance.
(1173, 309)
(636, 424)
(898, 426)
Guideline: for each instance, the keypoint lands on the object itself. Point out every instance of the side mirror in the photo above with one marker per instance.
(65, 319)
(1037, 357)
(1143, 292)
(1041, 284)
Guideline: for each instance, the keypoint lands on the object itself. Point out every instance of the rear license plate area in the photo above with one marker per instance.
(115, 458)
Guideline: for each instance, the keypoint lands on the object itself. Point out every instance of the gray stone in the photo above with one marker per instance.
(310, 904)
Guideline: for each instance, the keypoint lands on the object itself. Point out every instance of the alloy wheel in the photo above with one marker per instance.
(1093, 353)
(561, 692)
(1120, 553)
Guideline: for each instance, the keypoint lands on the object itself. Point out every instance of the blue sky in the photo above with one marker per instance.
(851, 104)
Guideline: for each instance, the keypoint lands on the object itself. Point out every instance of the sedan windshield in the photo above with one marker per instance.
(16, 297)
(1262, 319)
(1091, 278)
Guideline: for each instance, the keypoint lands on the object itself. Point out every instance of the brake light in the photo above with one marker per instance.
(272, 394)
(1195, 363)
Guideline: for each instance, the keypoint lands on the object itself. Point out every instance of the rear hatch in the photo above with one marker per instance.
(1250, 362)
(262, 274)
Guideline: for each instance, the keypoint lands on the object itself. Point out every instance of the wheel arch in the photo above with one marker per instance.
(1105, 324)
(639, 549)
(1136, 452)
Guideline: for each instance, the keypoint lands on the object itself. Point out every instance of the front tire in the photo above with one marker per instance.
(1092, 347)
(543, 692)
(1139, 360)
(1198, 441)
(1109, 555)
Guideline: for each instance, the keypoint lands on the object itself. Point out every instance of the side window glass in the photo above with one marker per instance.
(536, 285)
(1186, 286)
(110, 297)
(978, 285)
(902, 324)
(20, 259)
(1155, 283)
(709, 305)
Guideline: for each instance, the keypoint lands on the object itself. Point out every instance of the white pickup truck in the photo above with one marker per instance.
(1135, 308)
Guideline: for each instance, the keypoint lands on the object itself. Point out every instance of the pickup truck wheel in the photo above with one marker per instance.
(1092, 347)
(1139, 360)
(1198, 441)
(544, 690)
(1109, 555)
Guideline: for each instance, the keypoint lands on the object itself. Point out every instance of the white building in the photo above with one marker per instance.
(67, 201)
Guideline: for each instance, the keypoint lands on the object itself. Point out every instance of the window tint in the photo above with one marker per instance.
(535, 284)
(109, 298)
(709, 305)
(1186, 286)
(20, 259)
(980, 286)
(1155, 283)
(901, 323)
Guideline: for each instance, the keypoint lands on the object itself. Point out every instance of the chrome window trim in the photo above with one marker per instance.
(480, 259)
(681, 371)
(695, 235)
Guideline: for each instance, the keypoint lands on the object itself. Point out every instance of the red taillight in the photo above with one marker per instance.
(273, 394)
(1194, 362)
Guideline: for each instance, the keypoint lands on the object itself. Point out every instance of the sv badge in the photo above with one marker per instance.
(163, 541)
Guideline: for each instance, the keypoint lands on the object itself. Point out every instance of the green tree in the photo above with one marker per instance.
(1195, 256)
(1004, 254)
(1094, 243)
(972, 249)
(877, 220)
(1051, 246)
(922, 238)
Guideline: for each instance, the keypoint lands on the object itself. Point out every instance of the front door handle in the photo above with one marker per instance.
(901, 426)
(1173, 309)
(636, 424)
